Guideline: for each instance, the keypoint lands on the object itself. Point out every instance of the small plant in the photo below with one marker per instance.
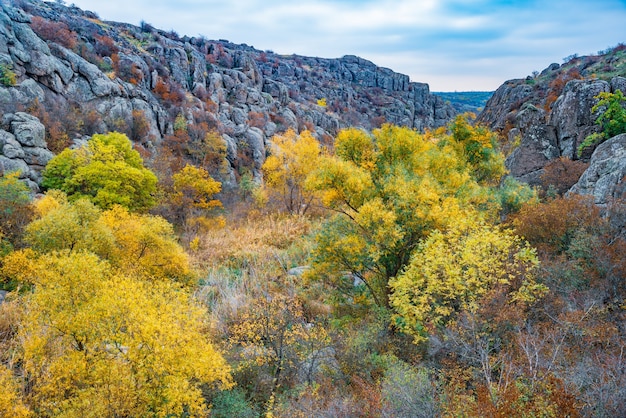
(7, 75)
(612, 119)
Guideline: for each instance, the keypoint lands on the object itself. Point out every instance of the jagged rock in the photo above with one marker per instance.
(507, 98)
(27, 129)
(249, 94)
(538, 145)
(571, 113)
(23, 147)
(605, 178)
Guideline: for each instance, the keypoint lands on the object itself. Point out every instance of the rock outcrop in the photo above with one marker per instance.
(545, 125)
(605, 178)
(81, 76)
(23, 147)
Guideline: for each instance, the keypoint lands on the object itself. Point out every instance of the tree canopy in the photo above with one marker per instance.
(106, 170)
(391, 189)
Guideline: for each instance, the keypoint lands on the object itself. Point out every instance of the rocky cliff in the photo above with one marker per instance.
(549, 114)
(79, 75)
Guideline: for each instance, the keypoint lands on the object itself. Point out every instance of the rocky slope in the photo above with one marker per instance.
(549, 114)
(79, 75)
(546, 116)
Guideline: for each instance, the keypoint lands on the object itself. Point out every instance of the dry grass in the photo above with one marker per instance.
(250, 258)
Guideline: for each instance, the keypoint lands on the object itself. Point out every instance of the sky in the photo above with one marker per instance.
(453, 45)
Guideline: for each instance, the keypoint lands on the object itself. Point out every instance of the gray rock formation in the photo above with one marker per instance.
(119, 76)
(518, 108)
(23, 147)
(538, 145)
(605, 178)
(571, 114)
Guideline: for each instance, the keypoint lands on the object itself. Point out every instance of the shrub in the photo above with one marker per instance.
(561, 174)
(8, 78)
(57, 32)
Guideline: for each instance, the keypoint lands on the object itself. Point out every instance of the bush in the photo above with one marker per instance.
(7, 76)
(57, 32)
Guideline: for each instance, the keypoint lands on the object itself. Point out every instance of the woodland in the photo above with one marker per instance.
(393, 273)
(186, 269)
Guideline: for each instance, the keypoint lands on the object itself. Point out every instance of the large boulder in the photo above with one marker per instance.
(23, 147)
(605, 178)
(538, 145)
(571, 113)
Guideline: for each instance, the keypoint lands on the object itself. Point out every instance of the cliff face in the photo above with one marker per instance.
(79, 75)
(549, 115)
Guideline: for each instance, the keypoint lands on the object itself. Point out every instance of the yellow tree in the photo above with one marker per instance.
(274, 332)
(292, 158)
(193, 192)
(96, 342)
(142, 244)
(390, 189)
(453, 269)
(11, 403)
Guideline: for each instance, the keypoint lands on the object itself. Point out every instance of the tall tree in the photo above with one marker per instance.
(293, 158)
(390, 189)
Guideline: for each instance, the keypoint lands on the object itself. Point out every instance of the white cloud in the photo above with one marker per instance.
(446, 43)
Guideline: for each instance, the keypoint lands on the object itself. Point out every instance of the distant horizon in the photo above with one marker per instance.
(451, 45)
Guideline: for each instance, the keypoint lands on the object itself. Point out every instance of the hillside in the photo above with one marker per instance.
(79, 75)
(246, 245)
(548, 115)
(466, 101)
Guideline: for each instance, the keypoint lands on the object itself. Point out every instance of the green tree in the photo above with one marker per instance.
(611, 118)
(15, 211)
(390, 189)
(107, 171)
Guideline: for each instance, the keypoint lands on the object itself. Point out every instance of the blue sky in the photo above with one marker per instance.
(453, 45)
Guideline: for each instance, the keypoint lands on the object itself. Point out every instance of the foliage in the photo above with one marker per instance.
(274, 332)
(551, 225)
(391, 189)
(96, 342)
(8, 78)
(293, 158)
(11, 403)
(513, 194)
(408, 392)
(15, 211)
(144, 245)
(52, 31)
(452, 270)
(106, 171)
(560, 174)
(611, 118)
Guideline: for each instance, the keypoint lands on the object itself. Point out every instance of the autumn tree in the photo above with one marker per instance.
(15, 209)
(390, 189)
(274, 333)
(144, 245)
(192, 196)
(452, 270)
(293, 157)
(98, 342)
(107, 171)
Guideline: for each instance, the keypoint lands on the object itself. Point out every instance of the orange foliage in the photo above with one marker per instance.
(558, 84)
(561, 174)
(57, 32)
(550, 226)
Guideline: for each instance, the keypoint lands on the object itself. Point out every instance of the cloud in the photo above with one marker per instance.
(446, 43)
